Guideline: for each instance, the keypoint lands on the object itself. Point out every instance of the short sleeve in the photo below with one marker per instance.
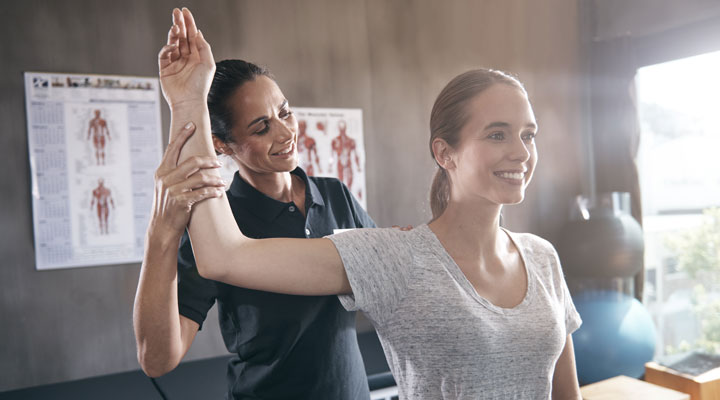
(572, 318)
(378, 264)
(196, 295)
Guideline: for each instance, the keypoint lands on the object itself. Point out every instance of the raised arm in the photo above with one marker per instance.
(222, 253)
(162, 335)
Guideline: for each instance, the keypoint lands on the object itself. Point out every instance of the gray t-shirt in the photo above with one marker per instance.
(443, 340)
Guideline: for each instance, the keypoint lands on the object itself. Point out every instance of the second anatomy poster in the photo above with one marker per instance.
(329, 143)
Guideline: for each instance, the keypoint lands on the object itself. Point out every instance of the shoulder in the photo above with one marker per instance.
(327, 184)
(379, 240)
(538, 252)
(532, 243)
(374, 235)
(332, 191)
(330, 186)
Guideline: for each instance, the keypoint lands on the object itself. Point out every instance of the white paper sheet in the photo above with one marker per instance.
(94, 143)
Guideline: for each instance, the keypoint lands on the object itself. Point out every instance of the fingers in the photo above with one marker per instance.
(405, 228)
(204, 51)
(201, 181)
(190, 26)
(174, 208)
(204, 178)
(179, 190)
(194, 164)
(173, 34)
(200, 186)
(165, 56)
(172, 153)
(187, 37)
(201, 42)
(179, 20)
(193, 44)
(189, 199)
(196, 40)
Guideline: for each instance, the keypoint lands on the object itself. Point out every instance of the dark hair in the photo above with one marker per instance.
(449, 114)
(229, 76)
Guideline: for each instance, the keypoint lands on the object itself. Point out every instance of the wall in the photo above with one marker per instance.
(621, 18)
(389, 58)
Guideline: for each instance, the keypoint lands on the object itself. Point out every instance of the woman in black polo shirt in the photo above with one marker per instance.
(299, 347)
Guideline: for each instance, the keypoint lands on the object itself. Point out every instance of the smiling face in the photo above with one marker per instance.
(496, 156)
(264, 134)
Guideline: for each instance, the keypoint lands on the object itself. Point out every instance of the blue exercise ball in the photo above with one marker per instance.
(617, 336)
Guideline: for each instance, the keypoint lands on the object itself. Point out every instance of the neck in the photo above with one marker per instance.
(276, 185)
(470, 229)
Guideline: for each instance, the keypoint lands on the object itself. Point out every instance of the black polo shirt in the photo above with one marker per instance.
(286, 347)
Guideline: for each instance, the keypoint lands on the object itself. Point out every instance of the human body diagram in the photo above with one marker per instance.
(344, 148)
(307, 148)
(99, 132)
(102, 200)
(330, 143)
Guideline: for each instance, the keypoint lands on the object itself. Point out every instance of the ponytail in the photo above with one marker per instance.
(439, 192)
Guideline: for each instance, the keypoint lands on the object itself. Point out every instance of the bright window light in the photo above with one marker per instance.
(679, 111)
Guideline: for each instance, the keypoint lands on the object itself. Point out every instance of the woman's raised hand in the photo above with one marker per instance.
(186, 62)
(179, 187)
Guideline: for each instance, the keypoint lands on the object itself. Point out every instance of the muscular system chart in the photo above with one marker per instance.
(329, 143)
(94, 142)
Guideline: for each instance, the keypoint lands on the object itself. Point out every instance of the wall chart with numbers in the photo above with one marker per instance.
(94, 142)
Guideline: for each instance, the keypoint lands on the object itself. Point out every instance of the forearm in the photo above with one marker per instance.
(156, 320)
(221, 251)
(575, 395)
(568, 394)
(212, 227)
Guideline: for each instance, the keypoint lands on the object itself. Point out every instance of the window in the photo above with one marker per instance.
(679, 111)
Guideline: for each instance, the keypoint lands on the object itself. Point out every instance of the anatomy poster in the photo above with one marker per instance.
(329, 143)
(94, 143)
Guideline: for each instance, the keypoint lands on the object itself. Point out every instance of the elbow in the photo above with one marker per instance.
(213, 266)
(157, 361)
(210, 270)
(152, 371)
(228, 256)
(152, 366)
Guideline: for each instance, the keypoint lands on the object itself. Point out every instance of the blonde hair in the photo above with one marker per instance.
(449, 115)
